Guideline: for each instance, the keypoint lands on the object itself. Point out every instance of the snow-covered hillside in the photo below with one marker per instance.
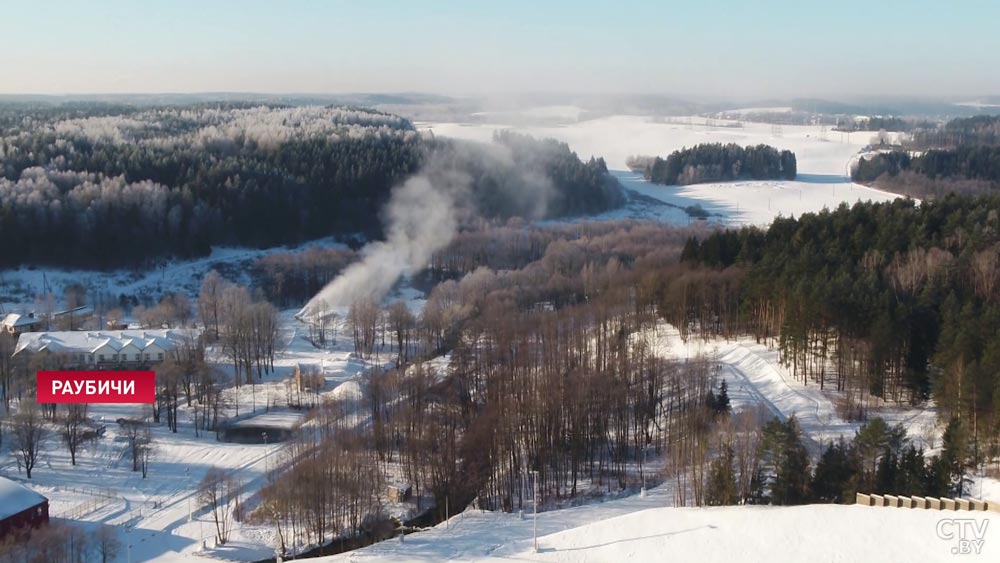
(756, 377)
(642, 529)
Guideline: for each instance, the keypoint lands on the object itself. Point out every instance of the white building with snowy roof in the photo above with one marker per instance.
(107, 348)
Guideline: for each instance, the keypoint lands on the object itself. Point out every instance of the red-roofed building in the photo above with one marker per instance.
(20, 508)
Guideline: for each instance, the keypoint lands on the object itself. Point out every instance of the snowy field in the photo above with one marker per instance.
(641, 529)
(823, 158)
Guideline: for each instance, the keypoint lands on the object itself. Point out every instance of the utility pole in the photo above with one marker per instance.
(534, 523)
(266, 451)
(643, 493)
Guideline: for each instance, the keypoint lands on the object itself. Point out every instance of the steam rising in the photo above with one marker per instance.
(421, 220)
(424, 213)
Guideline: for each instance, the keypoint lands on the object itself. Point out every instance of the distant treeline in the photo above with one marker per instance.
(106, 186)
(962, 156)
(715, 162)
(877, 123)
(967, 161)
(978, 130)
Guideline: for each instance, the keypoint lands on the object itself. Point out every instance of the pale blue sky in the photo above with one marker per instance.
(727, 49)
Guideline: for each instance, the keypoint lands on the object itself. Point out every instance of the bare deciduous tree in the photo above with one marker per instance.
(220, 492)
(28, 435)
(75, 429)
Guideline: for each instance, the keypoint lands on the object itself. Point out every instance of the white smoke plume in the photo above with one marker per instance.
(423, 215)
(421, 220)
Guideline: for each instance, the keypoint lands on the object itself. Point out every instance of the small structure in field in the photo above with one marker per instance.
(263, 428)
(399, 493)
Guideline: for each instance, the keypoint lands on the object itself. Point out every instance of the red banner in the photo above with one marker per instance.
(96, 387)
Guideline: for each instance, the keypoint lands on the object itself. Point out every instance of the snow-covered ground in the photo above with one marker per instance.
(823, 161)
(755, 376)
(161, 515)
(650, 528)
(162, 519)
(644, 529)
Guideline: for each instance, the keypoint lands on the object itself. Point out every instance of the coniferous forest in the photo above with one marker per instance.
(715, 162)
(883, 302)
(961, 156)
(104, 185)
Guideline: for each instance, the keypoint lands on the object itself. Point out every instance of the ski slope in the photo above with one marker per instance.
(755, 377)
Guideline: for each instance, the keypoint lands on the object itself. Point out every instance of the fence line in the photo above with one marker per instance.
(99, 498)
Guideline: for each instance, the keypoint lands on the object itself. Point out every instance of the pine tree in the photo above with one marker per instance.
(835, 479)
(788, 460)
(955, 458)
(722, 480)
(722, 405)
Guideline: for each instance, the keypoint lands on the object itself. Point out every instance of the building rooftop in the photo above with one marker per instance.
(16, 498)
(88, 341)
(17, 319)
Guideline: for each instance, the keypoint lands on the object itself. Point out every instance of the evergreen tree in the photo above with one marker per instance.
(721, 487)
(955, 458)
(722, 405)
(912, 477)
(835, 478)
(788, 460)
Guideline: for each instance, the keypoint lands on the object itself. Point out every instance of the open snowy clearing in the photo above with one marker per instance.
(823, 164)
(18, 287)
